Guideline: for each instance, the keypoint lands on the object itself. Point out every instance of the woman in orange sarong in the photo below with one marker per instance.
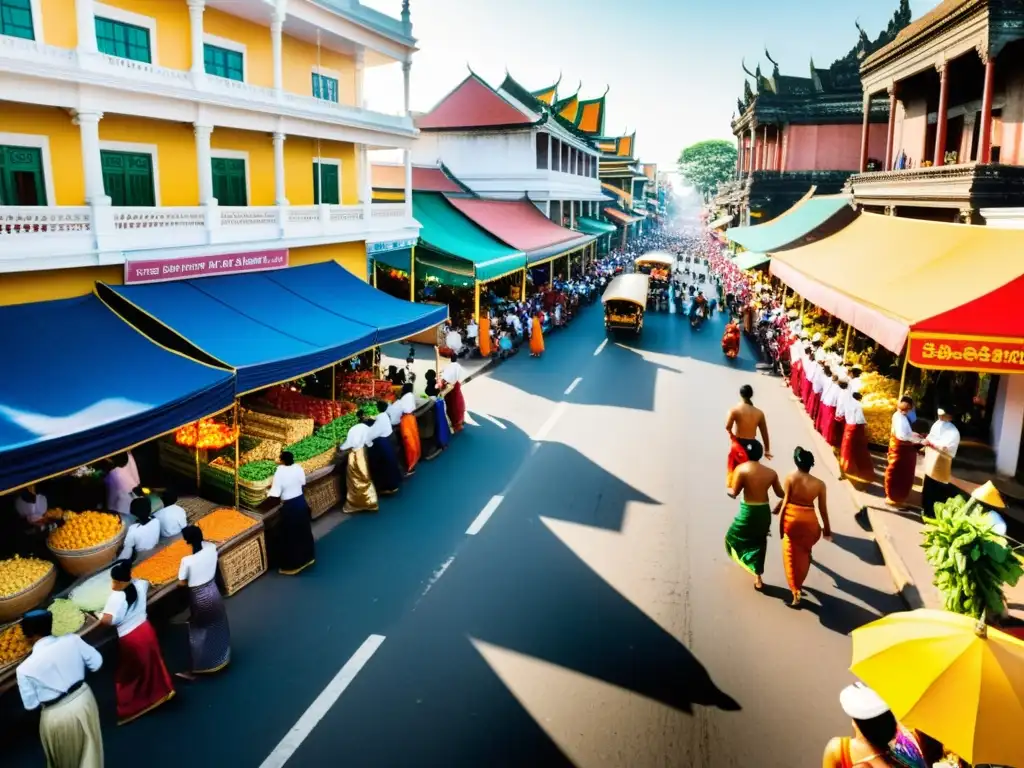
(854, 456)
(536, 337)
(903, 449)
(408, 429)
(798, 524)
(485, 334)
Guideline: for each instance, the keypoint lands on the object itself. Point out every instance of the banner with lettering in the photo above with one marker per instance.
(966, 353)
(186, 267)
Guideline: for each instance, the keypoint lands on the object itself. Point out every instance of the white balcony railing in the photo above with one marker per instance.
(64, 236)
(28, 57)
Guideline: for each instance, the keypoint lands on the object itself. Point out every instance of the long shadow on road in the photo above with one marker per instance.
(429, 698)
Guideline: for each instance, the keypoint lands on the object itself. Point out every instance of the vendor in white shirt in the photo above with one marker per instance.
(209, 636)
(141, 682)
(296, 549)
(172, 517)
(452, 377)
(385, 470)
(903, 449)
(402, 415)
(53, 677)
(360, 492)
(143, 535)
(941, 445)
(405, 404)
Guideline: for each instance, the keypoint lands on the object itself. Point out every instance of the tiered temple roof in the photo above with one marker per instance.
(832, 93)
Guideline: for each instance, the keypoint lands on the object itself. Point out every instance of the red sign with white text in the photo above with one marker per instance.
(967, 353)
(187, 267)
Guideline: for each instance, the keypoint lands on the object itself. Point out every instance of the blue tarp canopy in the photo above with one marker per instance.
(81, 384)
(334, 288)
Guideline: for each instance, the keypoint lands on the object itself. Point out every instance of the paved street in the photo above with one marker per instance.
(593, 620)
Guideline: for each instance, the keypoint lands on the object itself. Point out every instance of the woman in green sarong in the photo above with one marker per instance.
(747, 538)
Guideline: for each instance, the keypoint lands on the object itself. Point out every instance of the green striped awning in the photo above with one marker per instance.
(751, 260)
(792, 226)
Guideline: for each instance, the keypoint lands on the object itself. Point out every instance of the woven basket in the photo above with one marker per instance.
(196, 507)
(81, 562)
(323, 495)
(318, 462)
(14, 606)
(243, 563)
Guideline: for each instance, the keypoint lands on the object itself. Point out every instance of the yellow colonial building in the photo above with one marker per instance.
(149, 130)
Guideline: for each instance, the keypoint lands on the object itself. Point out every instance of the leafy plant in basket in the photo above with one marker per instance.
(972, 563)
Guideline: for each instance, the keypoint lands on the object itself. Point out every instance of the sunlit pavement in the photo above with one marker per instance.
(553, 590)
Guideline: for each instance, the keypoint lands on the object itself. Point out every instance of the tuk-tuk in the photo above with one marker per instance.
(625, 301)
(657, 264)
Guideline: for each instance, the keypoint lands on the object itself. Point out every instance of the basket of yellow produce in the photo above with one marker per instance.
(86, 541)
(25, 582)
(13, 645)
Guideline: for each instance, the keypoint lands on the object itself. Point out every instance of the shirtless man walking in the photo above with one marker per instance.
(743, 423)
(747, 538)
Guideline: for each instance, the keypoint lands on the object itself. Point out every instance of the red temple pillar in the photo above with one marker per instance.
(753, 149)
(985, 132)
(865, 127)
(891, 135)
(942, 117)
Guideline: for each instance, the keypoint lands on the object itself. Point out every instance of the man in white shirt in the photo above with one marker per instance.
(359, 436)
(941, 446)
(53, 677)
(172, 517)
(452, 376)
(296, 548)
(903, 449)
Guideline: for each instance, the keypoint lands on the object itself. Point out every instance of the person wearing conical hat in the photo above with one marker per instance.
(940, 447)
(989, 497)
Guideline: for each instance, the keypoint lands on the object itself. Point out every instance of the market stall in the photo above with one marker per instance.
(811, 219)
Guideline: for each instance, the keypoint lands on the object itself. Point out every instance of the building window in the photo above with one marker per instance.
(325, 87)
(21, 176)
(126, 41)
(229, 185)
(326, 176)
(556, 155)
(565, 158)
(16, 19)
(128, 178)
(542, 150)
(224, 63)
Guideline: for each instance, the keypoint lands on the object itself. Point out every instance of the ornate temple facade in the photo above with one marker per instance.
(794, 133)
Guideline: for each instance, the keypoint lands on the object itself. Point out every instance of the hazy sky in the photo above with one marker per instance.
(673, 66)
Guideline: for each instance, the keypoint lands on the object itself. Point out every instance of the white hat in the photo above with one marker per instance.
(816, 337)
(861, 703)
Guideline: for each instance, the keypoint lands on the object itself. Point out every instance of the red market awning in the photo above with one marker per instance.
(473, 104)
(951, 289)
(619, 216)
(520, 224)
(424, 179)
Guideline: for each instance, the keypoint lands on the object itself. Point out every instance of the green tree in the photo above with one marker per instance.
(707, 164)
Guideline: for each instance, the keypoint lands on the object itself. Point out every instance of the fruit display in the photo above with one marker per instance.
(13, 645)
(20, 573)
(223, 524)
(309, 447)
(360, 385)
(84, 530)
(880, 399)
(206, 434)
(285, 398)
(91, 594)
(257, 471)
(67, 617)
(162, 567)
(284, 429)
(337, 430)
(263, 450)
(972, 563)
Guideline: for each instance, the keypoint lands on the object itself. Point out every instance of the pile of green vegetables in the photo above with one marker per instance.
(67, 617)
(308, 447)
(337, 430)
(257, 471)
(972, 563)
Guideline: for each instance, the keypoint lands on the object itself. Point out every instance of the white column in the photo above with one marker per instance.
(406, 71)
(408, 183)
(195, 20)
(204, 163)
(360, 76)
(275, 44)
(85, 17)
(89, 127)
(1008, 423)
(279, 198)
(365, 182)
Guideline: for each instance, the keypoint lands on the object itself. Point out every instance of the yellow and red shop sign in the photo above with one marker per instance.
(980, 354)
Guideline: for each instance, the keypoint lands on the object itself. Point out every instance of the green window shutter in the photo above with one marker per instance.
(331, 184)
(126, 41)
(223, 62)
(16, 19)
(325, 87)
(21, 176)
(128, 178)
(229, 181)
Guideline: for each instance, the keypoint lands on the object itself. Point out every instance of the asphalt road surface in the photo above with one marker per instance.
(551, 591)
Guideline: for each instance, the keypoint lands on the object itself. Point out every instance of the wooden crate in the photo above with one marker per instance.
(323, 495)
(243, 563)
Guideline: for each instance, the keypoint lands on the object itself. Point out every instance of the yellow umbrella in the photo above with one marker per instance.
(950, 677)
